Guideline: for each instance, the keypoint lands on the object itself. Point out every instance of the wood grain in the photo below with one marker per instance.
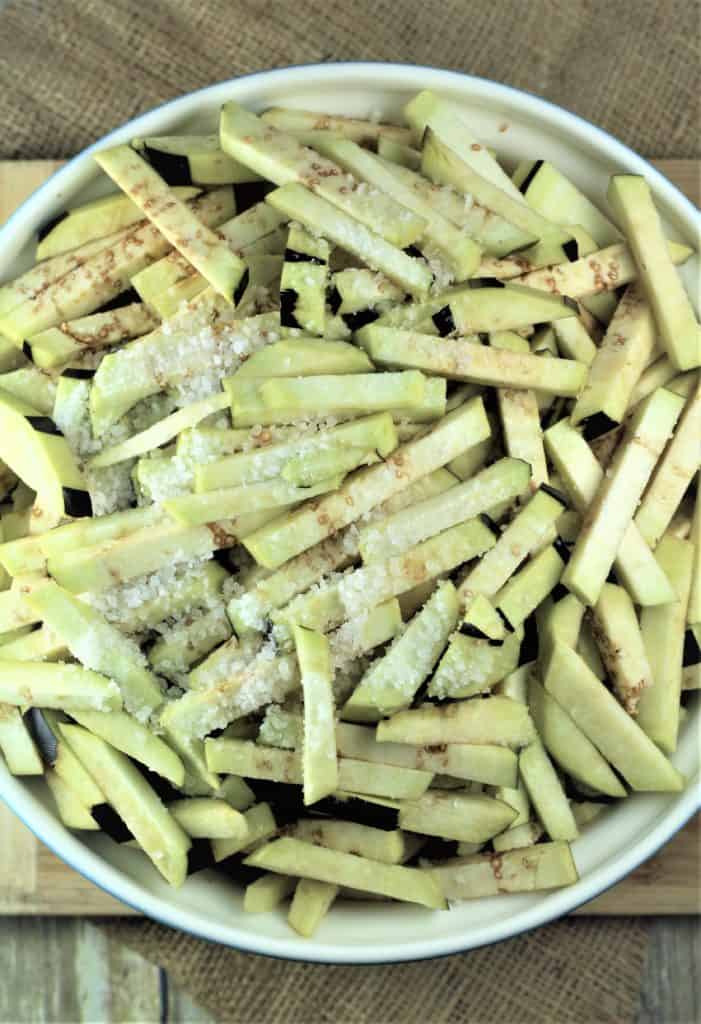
(68, 970)
(671, 981)
(33, 881)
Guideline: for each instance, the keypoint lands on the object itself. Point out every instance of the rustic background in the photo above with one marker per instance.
(70, 70)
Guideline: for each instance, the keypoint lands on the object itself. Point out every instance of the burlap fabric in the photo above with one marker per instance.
(584, 971)
(72, 69)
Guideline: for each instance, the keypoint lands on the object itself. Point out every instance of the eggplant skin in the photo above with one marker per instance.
(444, 322)
(354, 321)
(288, 305)
(530, 643)
(241, 287)
(475, 633)
(333, 300)
(597, 425)
(172, 167)
(248, 193)
(44, 425)
(125, 298)
(523, 188)
(76, 373)
(571, 250)
(292, 256)
(77, 503)
(692, 651)
(48, 227)
(111, 824)
(553, 492)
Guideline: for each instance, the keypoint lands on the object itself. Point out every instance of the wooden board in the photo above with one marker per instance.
(33, 881)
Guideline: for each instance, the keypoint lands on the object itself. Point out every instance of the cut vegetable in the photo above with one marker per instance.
(609, 727)
(34, 448)
(266, 893)
(495, 234)
(104, 275)
(161, 432)
(546, 866)
(631, 201)
(101, 566)
(673, 473)
(548, 191)
(295, 857)
(282, 159)
(176, 222)
(310, 905)
(260, 825)
(663, 636)
(208, 818)
(388, 847)
(16, 743)
(568, 745)
(141, 810)
(694, 609)
(520, 416)
(322, 217)
(618, 637)
(59, 345)
(529, 587)
(246, 508)
(71, 811)
(365, 132)
(126, 733)
(501, 482)
(613, 507)
(459, 252)
(319, 764)
(99, 646)
(470, 819)
(376, 433)
(557, 620)
(371, 585)
(582, 475)
(192, 159)
(56, 686)
(473, 665)
(546, 792)
(284, 400)
(448, 160)
(619, 361)
(462, 359)
(529, 529)
(95, 220)
(491, 765)
(240, 757)
(391, 682)
(601, 271)
(368, 488)
(514, 838)
(497, 721)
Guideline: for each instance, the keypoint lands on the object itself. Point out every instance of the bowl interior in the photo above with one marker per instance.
(517, 126)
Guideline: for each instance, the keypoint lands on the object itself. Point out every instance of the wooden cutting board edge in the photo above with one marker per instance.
(33, 881)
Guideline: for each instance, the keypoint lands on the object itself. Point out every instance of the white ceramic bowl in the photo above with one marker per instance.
(518, 126)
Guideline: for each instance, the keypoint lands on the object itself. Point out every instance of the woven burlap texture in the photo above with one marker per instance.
(572, 972)
(72, 69)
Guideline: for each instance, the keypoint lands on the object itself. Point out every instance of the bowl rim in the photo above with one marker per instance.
(555, 904)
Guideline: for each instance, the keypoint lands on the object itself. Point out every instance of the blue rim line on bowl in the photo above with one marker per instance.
(114, 881)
